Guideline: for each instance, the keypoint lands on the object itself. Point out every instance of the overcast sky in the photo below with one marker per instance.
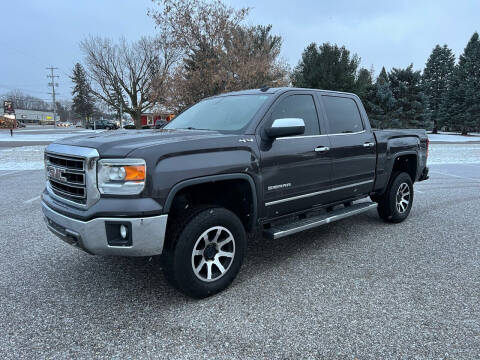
(37, 33)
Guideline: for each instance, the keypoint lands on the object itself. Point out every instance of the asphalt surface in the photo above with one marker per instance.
(358, 288)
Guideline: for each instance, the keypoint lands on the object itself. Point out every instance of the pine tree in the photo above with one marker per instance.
(437, 78)
(453, 106)
(463, 101)
(379, 102)
(83, 103)
(363, 83)
(410, 101)
(326, 67)
(204, 73)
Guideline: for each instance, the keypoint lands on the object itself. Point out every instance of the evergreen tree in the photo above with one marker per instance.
(203, 73)
(410, 101)
(363, 83)
(437, 78)
(463, 100)
(327, 67)
(82, 98)
(379, 102)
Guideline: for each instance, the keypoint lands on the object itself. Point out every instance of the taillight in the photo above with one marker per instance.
(428, 144)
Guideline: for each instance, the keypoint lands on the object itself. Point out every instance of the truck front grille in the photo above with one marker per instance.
(66, 176)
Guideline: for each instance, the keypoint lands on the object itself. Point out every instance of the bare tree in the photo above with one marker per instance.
(24, 101)
(123, 73)
(220, 53)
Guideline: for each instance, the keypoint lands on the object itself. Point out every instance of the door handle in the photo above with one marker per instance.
(322, 149)
(369, 144)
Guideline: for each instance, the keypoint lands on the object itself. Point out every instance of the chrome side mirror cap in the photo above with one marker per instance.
(285, 127)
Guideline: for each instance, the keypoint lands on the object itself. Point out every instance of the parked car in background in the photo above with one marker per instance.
(20, 124)
(133, 127)
(64, 124)
(102, 124)
(160, 123)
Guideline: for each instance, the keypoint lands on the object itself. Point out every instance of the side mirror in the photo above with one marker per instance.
(285, 127)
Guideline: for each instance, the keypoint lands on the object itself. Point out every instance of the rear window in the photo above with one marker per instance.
(342, 114)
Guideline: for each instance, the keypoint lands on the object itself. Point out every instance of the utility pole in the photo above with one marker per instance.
(53, 84)
(121, 114)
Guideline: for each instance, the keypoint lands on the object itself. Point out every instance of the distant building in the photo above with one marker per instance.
(33, 116)
(150, 118)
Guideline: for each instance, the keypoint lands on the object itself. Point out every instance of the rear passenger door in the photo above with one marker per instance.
(352, 147)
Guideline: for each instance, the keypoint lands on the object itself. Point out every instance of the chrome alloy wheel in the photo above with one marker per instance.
(403, 197)
(213, 253)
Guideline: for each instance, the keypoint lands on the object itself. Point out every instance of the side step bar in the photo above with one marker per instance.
(277, 232)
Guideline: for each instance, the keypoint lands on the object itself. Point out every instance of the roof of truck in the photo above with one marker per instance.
(273, 90)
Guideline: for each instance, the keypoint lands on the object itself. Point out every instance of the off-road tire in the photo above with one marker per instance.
(388, 208)
(182, 236)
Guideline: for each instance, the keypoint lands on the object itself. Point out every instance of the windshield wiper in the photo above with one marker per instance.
(192, 128)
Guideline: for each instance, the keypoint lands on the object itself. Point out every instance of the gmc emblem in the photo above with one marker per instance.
(56, 173)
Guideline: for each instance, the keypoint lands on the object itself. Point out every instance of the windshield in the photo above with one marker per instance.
(226, 113)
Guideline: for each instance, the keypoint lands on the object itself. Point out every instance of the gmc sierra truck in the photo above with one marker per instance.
(270, 161)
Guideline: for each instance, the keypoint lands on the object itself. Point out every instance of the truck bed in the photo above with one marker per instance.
(394, 142)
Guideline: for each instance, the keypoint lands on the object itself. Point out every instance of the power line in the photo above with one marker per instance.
(53, 84)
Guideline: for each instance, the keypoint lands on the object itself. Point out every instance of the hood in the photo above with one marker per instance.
(120, 143)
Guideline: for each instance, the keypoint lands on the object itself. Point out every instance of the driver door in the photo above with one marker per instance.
(295, 171)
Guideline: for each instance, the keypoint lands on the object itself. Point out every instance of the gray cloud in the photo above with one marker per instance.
(382, 33)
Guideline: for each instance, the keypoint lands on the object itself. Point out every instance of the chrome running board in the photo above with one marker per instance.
(279, 231)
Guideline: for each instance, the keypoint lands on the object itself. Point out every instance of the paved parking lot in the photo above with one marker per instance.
(359, 288)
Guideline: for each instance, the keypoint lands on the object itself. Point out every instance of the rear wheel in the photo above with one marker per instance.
(395, 204)
(206, 251)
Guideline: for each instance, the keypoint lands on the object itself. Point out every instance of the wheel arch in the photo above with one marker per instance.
(211, 179)
(406, 161)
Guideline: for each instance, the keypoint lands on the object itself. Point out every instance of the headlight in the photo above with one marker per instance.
(121, 176)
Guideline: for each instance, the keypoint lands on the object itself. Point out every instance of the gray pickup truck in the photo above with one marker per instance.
(270, 161)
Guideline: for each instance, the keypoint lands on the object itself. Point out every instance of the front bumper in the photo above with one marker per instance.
(147, 233)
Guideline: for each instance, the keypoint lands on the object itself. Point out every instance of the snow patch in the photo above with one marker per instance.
(454, 154)
(452, 138)
(22, 158)
(22, 136)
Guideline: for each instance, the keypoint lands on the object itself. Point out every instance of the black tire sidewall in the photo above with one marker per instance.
(394, 215)
(185, 278)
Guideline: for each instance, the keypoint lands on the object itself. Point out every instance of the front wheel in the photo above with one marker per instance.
(395, 204)
(205, 254)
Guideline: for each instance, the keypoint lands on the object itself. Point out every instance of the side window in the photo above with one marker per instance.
(298, 106)
(343, 115)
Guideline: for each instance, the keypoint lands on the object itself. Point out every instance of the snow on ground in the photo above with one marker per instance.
(32, 135)
(448, 137)
(31, 157)
(454, 154)
(22, 158)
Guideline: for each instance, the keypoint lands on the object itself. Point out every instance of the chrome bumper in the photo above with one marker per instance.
(148, 233)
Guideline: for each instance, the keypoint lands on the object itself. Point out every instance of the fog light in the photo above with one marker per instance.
(123, 231)
(118, 233)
